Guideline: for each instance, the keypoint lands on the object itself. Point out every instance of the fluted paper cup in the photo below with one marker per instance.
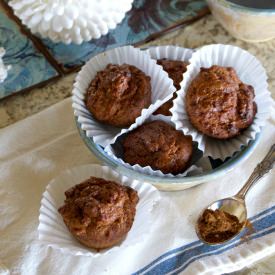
(52, 230)
(116, 152)
(73, 21)
(170, 52)
(250, 71)
(162, 89)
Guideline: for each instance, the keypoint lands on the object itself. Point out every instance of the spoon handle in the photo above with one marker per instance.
(261, 169)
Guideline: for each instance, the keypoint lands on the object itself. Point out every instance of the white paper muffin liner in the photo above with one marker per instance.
(71, 21)
(116, 151)
(170, 52)
(162, 89)
(250, 71)
(52, 230)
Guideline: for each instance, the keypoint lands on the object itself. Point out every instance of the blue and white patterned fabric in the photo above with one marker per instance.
(29, 66)
(178, 260)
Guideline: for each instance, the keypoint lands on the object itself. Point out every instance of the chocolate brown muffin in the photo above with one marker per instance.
(218, 104)
(158, 145)
(99, 213)
(117, 95)
(175, 70)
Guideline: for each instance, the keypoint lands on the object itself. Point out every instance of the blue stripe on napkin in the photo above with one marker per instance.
(178, 259)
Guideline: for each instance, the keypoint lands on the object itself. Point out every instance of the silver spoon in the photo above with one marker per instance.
(236, 205)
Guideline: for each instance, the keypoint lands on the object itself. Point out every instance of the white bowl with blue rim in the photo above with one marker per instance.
(219, 168)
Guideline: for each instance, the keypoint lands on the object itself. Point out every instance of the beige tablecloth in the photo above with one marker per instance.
(37, 149)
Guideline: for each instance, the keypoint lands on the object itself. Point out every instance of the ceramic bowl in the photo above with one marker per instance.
(171, 184)
(245, 23)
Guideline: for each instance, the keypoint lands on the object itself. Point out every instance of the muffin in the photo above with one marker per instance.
(218, 104)
(175, 70)
(99, 213)
(117, 95)
(159, 145)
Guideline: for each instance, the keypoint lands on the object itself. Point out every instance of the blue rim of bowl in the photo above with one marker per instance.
(227, 166)
(247, 9)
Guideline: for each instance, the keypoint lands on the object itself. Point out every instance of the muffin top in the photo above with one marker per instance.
(218, 104)
(117, 95)
(175, 70)
(99, 212)
(159, 145)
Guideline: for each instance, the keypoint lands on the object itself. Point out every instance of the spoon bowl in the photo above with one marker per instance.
(232, 205)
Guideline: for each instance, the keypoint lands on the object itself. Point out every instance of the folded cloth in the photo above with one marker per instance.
(37, 149)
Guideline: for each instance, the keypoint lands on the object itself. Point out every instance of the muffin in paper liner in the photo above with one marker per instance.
(162, 90)
(250, 71)
(53, 232)
(116, 152)
(170, 52)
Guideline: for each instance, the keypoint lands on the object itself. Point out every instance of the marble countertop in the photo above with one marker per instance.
(205, 31)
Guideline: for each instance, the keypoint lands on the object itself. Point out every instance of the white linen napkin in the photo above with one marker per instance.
(37, 149)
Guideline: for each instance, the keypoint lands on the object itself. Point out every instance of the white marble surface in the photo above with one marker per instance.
(204, 31)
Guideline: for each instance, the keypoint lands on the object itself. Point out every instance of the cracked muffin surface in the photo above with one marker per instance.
(159, 145)
(218, 104)
(117, 95)
(99, 213)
